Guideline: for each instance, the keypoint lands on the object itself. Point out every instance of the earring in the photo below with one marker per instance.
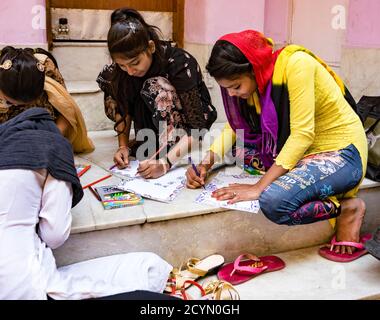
(6, 65)
(40, 67)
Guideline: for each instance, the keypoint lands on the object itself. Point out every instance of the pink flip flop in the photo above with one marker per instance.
(330, 254)
(243, 270)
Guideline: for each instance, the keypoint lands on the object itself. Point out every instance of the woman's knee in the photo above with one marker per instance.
(271, 203)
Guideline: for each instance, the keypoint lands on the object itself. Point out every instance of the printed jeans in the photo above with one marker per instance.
(302, 195)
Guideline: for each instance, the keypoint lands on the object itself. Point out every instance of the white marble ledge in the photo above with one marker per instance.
(183, 206)
(113, 218)
(105, 146)
(82, 217)
(78, 87)
(116, 218)
(367, 183)
(89, 215)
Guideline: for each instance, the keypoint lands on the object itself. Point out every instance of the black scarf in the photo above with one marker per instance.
(32, 141)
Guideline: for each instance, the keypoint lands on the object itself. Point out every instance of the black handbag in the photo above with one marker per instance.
(369, 110)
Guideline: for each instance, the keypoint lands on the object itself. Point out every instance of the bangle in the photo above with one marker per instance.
(122, 147)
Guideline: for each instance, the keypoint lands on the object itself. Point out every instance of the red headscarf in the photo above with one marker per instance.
(259, 52)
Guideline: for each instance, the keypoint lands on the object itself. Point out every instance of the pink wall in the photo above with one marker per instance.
(16, 22)
(207, 20)
(277, 20)
(364, 24)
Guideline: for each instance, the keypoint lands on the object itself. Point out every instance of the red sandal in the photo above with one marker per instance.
(243, 270)
(330, 254)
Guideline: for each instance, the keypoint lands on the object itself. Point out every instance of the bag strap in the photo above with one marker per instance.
(367, 109)
(371, 128)
(366, 112)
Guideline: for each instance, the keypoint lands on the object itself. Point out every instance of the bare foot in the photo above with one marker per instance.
(349, 223)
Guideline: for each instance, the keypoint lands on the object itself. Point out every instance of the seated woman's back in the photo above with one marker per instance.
(30, 78)
(50, 68)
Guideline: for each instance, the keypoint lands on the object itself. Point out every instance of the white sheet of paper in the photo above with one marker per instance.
(164, 189)
(130, 171)
(223, 180)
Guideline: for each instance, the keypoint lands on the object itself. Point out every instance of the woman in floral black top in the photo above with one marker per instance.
(158, 87)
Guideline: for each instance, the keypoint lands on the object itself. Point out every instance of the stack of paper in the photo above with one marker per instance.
(164, 189)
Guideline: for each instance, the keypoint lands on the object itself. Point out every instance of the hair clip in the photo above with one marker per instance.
(6, 65)
(40, 66)
(132, 26)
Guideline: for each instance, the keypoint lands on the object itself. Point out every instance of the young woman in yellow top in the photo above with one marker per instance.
(298, 123)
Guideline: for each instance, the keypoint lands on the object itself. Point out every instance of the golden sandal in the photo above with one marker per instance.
(194, 270)
(220, 290)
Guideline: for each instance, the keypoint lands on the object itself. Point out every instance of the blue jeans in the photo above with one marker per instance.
(302, 195)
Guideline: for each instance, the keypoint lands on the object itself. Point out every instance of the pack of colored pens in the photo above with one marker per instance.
(113, 198)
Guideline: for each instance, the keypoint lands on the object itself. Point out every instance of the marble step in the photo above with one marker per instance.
(183, 228)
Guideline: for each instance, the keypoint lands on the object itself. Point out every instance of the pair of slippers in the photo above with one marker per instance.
(248, 266)
(243, 270)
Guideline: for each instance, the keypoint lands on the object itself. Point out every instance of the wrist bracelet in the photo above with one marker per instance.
(122, 147)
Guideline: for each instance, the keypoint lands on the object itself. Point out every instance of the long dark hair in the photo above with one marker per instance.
(227, 61)
(23, 82)
(129, 36)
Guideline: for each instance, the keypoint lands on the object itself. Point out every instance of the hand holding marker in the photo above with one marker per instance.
(195, 169)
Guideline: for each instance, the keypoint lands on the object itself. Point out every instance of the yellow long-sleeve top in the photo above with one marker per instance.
(321, 119)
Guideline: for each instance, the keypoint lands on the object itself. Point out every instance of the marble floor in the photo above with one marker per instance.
(307, 276)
